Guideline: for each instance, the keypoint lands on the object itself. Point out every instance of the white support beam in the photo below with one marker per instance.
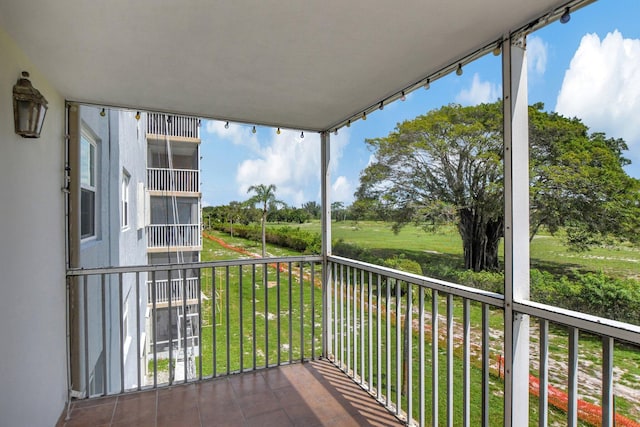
(325, 184)
(325, 147)
(516, 247)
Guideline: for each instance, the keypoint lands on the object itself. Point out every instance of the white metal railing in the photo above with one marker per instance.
(162, 290)
(382, 325)
(381, 329)
(172, 125)
(173, 235)
(184, 180)
(274, 302)
(429, 350)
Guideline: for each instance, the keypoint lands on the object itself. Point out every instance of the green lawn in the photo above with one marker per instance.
(547, 252)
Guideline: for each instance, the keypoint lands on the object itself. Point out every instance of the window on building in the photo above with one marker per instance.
(88, 188)
(125, 199)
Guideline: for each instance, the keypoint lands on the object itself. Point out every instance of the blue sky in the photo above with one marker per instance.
(588, 68)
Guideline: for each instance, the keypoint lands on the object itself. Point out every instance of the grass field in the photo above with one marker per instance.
(547, 252)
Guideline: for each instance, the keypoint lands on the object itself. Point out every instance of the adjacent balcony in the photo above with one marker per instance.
(163, 237)
(168, 181)
(173, 126)
(175, 292)
(430, 352)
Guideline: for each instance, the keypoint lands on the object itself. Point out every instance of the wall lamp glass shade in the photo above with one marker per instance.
(29, 108)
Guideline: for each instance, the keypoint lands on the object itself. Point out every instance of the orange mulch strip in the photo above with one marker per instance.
(587, 412)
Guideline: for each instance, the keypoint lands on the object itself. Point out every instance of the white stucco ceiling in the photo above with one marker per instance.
(300, 64)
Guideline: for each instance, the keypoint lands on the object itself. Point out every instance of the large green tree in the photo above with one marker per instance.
(265, 197)
(448, 165)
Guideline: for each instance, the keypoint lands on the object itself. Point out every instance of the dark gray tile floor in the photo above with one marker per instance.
(309, 394)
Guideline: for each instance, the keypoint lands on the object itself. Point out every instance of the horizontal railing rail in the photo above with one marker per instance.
(173, 180)
(621, 331)
(173, 125)
(173, 235)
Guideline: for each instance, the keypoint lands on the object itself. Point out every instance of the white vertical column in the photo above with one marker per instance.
(516, 247)
(325, 183)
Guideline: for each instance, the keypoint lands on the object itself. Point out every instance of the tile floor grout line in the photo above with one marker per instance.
(113, 414)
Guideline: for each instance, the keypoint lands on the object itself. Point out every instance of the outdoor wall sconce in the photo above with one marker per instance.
(29, 108)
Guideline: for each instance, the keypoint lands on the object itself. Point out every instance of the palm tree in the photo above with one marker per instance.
(265, 196)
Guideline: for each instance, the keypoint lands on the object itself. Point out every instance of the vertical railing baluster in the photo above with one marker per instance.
(278, 322)
(434, 358)
(398, 304)
(329, 309)
(104, 334)
(466, 366)
(170, 299)
(240, 286)
(185, 352)
(572, 412)
(421, 392)
(154, 320)
(450, 334)
(379, 338)
(341, 322)
(227, 318)
(138, 346)
(253, 315)
(543, 374)
(354, 328)
(348, 365)
(121, 330)
(301, 313)
(362, 329)
(370, 330)
(313, 311)
(265, 285)
(290, 281)
(485, 364)
(409, 340)
(199, 296)
(388, 342)
(214, 324)
(85, 307)
(608, 415)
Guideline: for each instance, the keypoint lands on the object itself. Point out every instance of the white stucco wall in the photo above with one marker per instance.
(32, 280)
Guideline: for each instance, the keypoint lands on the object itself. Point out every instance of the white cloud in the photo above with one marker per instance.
(342, 190)
(290, 163)
(536, 55)
(479, 92)
(236, 133)
(602, 87)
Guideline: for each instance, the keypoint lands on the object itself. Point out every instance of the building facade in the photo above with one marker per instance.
(173, 236)
(107, 162)
(135, 178)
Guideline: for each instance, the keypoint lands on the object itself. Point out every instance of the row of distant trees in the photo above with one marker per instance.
(246, 213)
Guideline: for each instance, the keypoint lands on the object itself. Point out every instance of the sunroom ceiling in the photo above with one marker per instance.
(299, 64)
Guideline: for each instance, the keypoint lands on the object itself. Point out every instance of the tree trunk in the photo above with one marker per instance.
(480, 240)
